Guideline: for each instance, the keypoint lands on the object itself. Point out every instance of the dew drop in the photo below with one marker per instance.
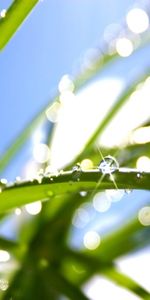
(83, 193)
(139, 175)
(3, 13)
(108, 165)
(76, 170)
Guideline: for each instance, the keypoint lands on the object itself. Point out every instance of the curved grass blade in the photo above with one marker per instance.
(21, 139)
(97, 265)
(15, 15)
(30, 191)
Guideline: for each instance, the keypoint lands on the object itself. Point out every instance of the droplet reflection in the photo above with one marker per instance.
(108, 165)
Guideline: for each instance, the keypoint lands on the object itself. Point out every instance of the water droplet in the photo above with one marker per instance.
(76, 172)
(108, 165)
(51, 179)
(3, 13)
(139, 175)
(83, 193)
(86, 164)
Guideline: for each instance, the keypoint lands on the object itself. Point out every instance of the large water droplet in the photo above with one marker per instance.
(108, 165)
(76, 170)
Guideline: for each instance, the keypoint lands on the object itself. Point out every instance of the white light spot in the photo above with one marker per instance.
(3, 181)
(81, 218)
(115, 195)
(86, 164)
(101, 202)
(83, 193)
(137, 20)
(18, 211)
(34, 208)
(3, 284)
(53, 112)
(41, 153)
(124, 47)
(91, 240)
(4, 256)
(144, 216)
(143, 163)
(141, 135)
(66, 84)
(3, 13)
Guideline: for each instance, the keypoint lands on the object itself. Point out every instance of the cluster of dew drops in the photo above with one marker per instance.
(107, 165)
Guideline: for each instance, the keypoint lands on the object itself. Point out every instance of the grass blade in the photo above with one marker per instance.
(30, 191)
(15, 15)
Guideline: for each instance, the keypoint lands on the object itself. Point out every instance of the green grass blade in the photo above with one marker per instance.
(64, 286)
(96, 265)
(15, 15)
(21, 139)
(126, 282)
(30, 191)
